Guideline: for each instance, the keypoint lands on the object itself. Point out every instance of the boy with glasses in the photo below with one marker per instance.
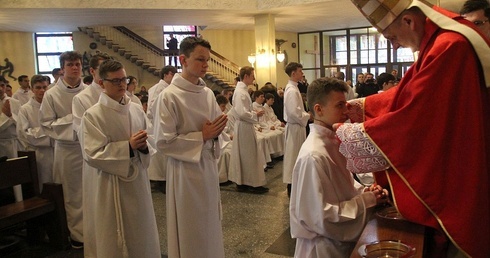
(119, 219)
(478, 12)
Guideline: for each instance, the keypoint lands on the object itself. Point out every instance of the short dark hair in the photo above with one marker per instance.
(22, 77)
(320, 88)
(167, 69)
(225, 91)
(257, 93)
(188, 45)
(237, 78)
(38, 78)
(246, 70)
(384, 77)
(291, 67)
(2, 79)
(55, 71)
(221, 99)
(475, 5)
(341, 75)
(144, 99)
(88, 79)
(70, 56)
(94, 60)
(109, 66)
(131, 79)
(269, 96)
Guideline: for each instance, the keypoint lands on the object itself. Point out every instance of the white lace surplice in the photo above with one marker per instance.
(362, 155)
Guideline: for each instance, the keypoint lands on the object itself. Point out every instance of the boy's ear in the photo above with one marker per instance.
(318, 110)
(101, 83)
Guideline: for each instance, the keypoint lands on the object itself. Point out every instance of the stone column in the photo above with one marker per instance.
(265, 36)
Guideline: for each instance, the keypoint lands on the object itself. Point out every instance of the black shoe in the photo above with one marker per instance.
(226, 183)
(279, 158)
(270, 165)
(242, 188)
(76, 244)
(163, 187)
(258, 190)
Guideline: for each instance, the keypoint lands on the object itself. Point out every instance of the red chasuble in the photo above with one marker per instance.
(434, 129)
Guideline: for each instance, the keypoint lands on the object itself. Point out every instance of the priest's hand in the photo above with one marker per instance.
(211, 130)
(355, 110)
(138, 140)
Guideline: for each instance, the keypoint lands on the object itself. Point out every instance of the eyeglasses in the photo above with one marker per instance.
(480, 23)
(118, 81)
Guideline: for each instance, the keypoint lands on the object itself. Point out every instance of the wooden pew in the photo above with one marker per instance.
(42, 212)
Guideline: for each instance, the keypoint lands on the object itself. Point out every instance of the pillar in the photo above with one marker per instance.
(265, 44)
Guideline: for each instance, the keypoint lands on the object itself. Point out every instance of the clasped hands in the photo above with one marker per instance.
(211, 130)
(137, 141)
(380, 193)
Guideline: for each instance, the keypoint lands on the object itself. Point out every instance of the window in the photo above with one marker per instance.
(351, 51)
(49, 47)
(179, 33)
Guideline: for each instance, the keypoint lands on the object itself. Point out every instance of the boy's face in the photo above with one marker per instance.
(95, 72)
(24, 83)
(334, 110)
(39, 88)
(270, 101)
(115, 91)
(249, 79)
(196, 65)
(260, 99)
(297, 75)
(222, 107)
(2, 89)
(132, 85)
(72, 69)
(8, 90)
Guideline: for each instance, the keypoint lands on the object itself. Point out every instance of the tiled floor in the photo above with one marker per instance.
(253, 225)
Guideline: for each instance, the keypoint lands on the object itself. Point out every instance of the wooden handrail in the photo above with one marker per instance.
(141, 40)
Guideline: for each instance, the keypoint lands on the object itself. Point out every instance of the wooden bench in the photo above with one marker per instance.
(41, 212)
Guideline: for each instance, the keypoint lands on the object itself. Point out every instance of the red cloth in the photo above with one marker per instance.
(434, 129)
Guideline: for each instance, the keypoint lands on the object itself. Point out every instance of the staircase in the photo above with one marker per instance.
(150, 58)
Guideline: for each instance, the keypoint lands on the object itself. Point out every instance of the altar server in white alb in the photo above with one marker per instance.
(186, 129)
(32, 135)
(119, 220)
(158, 162)
(296, 120)
(24, 93)
(246, 164)
(90, 96)
(56, 120)
(9, 109)
(328, 208)
(9, 145)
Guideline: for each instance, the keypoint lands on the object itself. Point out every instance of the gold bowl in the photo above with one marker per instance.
(387, 249)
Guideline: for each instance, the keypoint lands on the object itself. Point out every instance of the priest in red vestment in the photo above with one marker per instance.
(429, 137)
